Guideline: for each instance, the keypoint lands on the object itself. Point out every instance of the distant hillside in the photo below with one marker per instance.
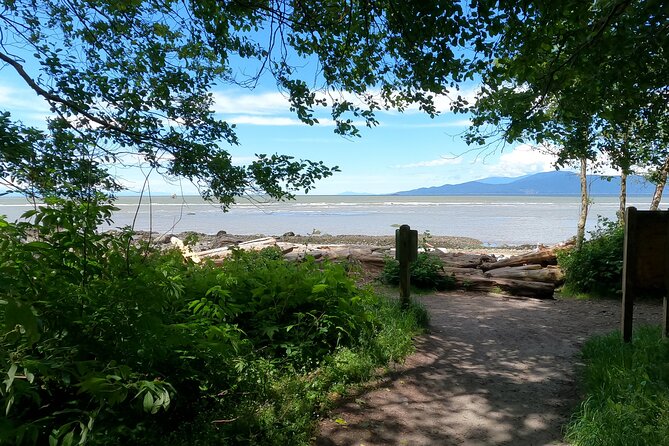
(545, 183)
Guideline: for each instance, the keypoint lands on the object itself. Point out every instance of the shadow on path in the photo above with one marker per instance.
(492, 371)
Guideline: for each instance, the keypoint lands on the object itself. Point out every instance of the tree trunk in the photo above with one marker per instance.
(585, 202)
(659, 187)
(623, 196)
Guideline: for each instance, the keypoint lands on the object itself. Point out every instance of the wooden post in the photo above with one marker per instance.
(665, 305)
(629, 256)
(665, 318)
(406, 251)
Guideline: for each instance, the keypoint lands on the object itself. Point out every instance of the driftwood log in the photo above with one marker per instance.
(532, 273)
(524, 288)
(544, 257)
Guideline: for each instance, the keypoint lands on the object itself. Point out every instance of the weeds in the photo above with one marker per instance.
(627, 392)
(596, 268)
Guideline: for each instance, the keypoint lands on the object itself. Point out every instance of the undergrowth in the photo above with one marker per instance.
(596, 268)
(626, 392)
(104, 342)
(426, 272)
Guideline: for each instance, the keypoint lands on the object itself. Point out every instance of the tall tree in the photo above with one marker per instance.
(557, 61)
(604, 59)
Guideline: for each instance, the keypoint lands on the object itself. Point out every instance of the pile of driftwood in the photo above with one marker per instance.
(534, 274)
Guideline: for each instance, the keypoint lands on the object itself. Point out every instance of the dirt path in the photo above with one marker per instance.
(492, 371)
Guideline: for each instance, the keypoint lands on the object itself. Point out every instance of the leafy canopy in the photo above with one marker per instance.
(591, 70)
(136, 76)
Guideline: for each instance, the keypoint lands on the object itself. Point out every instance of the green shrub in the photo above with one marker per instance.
(627, 392)
(596, 268)
(104, 342)
(426, 272)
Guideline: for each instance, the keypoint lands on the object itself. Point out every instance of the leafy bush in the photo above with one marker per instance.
(627, 392)
(596, 268)
(105, 342)
(426, 272)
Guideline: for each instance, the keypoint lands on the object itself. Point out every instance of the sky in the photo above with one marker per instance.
(405, 151)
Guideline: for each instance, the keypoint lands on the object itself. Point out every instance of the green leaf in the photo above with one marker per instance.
(319, 288)
(68, 439)
(148, 402)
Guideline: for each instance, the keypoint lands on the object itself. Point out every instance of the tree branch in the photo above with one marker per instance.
(53, 98)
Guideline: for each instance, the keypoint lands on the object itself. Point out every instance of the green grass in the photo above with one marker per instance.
(627, 392)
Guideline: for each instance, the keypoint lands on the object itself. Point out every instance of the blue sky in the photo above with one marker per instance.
(406, 151)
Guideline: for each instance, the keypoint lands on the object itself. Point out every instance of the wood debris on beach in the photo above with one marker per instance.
(529, 274)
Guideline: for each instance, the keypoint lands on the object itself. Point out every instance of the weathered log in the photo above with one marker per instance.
(463, 260)
(448, 270)
(259, 243)
(480, 282)
(214, 252)
(371, 259)
(538, 290)
(543, 258)
(532, 273)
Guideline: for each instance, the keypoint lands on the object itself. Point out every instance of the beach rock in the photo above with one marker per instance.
(289, 234)
(220, 233)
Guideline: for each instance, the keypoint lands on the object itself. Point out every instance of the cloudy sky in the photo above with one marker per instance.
(406, 151)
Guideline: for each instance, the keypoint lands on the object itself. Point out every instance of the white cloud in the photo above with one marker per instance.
(274, 121)
(443, 102)
(521, 160)
(251, 104)
(440, 124)
(23, 100)
(442, 161)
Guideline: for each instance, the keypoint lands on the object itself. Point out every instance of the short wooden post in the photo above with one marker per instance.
(665, 305)
(665, 319)
(629, 256)
(406, 251)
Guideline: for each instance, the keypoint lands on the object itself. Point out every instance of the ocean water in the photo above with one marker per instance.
(493, 220)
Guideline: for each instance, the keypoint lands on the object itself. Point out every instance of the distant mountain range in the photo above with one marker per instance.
(545, 183)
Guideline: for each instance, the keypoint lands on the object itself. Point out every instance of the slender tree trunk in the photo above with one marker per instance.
(623, 196)
(585, 202)
(659, 187)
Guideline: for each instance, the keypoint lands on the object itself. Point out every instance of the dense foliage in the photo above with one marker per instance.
(595, 78)
(426, 272)
(107, 342)
(596, 268)
(627, 392)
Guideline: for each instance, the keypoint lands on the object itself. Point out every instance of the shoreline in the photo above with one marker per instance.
(202, 241)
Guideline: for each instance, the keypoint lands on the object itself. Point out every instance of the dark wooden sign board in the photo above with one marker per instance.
(645, 263)
(406, 251)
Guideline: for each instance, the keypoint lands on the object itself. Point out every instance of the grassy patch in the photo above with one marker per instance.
(627, 392)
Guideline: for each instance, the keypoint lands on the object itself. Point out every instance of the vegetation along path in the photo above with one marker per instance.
(491, 371)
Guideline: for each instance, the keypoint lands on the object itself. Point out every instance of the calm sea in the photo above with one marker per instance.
(493, 220)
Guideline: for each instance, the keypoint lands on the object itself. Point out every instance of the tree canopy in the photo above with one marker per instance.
(560, 63)
(137, 76)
